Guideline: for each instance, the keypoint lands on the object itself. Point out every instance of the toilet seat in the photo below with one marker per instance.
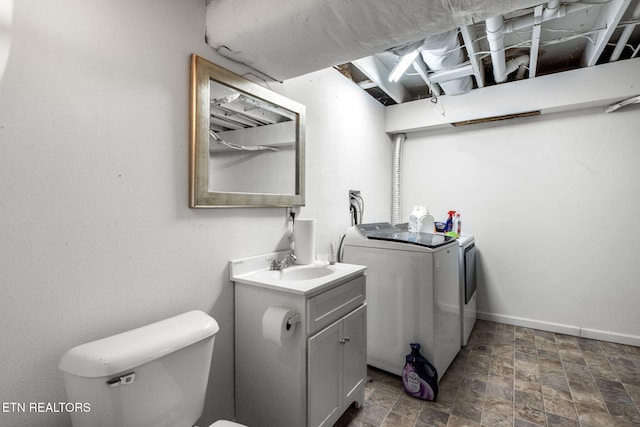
(226, 424)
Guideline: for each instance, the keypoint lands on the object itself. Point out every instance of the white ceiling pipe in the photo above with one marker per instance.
(519, 63)
(552, 10)
(495, 37)
(443, 52)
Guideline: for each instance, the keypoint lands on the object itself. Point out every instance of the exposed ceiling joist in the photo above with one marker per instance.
(622, 41)
(609, 18)
(471, 44)
(421, 69)
(535, 41)
(453, 73)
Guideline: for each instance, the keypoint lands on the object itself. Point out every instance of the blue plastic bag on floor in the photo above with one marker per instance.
(419, 377)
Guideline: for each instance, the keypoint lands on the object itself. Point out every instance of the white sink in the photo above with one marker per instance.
(301, 279)
(299, 272)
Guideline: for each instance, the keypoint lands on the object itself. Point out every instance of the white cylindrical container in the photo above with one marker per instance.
(305, 241)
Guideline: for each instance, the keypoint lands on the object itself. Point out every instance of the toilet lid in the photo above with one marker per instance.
(226, 424)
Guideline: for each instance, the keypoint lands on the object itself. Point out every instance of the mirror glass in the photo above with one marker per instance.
(247, 142)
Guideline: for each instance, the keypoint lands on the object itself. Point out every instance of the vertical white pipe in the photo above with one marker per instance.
(495, 37)
(398, 141)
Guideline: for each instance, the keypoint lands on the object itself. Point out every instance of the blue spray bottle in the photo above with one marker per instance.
(449, 224)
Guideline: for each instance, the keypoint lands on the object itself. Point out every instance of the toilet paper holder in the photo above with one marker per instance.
(293, 319)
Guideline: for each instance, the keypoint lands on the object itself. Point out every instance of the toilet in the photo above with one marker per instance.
(153, 376)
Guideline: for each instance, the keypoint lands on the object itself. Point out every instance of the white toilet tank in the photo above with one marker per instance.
(153, 376)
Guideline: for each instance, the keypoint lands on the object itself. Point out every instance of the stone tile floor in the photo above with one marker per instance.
(514, 376)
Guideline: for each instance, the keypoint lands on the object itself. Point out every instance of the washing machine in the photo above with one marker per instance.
(468, 285)
(413, 293)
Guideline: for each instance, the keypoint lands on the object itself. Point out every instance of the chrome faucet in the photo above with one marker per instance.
(281, 264)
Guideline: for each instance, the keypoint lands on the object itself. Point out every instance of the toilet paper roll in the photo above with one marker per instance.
(274, 324)
(305, 241)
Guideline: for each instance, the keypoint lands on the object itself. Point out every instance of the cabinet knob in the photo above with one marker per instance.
(344, 340)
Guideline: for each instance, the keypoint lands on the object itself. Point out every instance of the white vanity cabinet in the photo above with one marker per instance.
(312, 376)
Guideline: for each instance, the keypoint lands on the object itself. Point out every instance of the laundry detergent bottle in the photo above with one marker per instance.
(415, 219)
(427, 224)
(419, 377)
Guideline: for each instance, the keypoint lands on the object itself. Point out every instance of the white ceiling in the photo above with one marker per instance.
(357, 37)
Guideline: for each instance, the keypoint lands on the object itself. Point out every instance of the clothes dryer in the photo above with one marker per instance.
(413, 293)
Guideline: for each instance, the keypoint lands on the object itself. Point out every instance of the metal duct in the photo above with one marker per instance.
(443, 52)
(398, 141)
(295, 37)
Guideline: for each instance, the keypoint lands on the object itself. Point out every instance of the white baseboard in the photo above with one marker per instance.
(576, 331)
(611, 336)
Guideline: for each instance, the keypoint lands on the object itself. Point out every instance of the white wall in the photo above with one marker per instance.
(553, 201)
(355, 152)
(96, 233)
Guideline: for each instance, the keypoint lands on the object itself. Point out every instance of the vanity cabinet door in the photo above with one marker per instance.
(354, 327)
(337, 369)
(324, 386)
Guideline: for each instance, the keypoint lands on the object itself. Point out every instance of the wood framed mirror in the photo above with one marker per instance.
(247, 142)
